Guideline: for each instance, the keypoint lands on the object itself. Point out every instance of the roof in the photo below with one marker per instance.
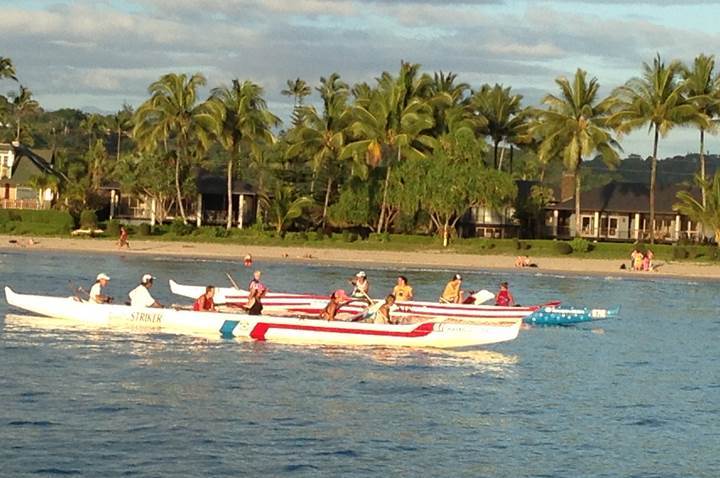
(215, 184)
(627, 198)
(29, 163)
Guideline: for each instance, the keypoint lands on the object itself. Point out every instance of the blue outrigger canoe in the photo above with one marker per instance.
(565, 315)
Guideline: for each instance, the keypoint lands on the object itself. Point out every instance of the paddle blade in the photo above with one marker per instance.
(483, 296)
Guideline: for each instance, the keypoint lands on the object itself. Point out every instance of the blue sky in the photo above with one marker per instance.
(99, 54)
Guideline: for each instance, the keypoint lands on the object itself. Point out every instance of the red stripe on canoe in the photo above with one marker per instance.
(261, 328)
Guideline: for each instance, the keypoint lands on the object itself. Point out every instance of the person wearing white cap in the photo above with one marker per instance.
(452, 292)
(140, 295)
(96, 291)
(361, 286)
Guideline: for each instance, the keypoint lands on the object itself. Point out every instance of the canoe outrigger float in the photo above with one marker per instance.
(280, 302)
(568, 315)
(440, 333)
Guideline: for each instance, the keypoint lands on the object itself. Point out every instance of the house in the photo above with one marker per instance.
(19, 169)
(500, 223)
(210, 207)
(620, 211)
(213, 200)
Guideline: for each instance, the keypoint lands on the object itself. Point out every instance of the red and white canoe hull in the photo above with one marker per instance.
(444, 333)
(309, 304)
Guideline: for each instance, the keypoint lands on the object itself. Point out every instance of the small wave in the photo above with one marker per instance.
(56, 471)
(31, 423)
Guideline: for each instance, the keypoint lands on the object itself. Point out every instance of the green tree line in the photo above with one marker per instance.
(411, 151)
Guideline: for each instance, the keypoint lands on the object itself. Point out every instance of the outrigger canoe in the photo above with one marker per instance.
(440, 333)
(309, 304)
(568, 315)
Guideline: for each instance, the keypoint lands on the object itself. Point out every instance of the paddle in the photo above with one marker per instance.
(370, 311)
(483, 296)
(234, 284)
(77, 291)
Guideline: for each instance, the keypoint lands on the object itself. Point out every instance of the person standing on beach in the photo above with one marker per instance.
(403, 291)
(452, 293)
(96, 291)
(123, 240)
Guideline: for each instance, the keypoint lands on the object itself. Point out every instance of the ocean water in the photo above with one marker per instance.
(635, 396)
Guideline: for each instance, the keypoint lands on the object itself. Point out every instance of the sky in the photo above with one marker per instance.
(97, 55)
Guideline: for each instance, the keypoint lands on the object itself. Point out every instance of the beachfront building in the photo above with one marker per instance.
(22, 170)
(621, 212)
(209, 208)
(212, 201)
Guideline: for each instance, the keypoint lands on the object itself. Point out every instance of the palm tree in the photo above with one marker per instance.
(574, 125)
(322, 136)
(394, 118)
(702, 85)
(22, 106)
(708, 213)
(298, 89)
(93, 125)
(245, 124)
(655, 99)
(173, 113)
(120, 123)
(503, 114)
(7, 69)
(283, 208)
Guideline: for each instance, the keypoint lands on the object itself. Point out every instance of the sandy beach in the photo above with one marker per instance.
(439, 259)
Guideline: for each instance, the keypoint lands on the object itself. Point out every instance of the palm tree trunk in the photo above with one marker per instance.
(512, 151)
(653, 174)
(177, 188)
(495, 154)
(117, 155)
(17, 135)
(500, 162)
(578, 221)
(230, 192)
(702, 164)
(327, 201)
(381, 220)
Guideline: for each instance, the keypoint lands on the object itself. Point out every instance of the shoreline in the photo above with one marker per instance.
(431, 259)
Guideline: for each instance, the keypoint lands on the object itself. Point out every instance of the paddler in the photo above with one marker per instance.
(337, 299)
(205, 302)
(452, 293)
(140, 295)
(256, 284)
(382, 316)
(96, 291)
(504, 297)
(254, 306)
(361, 286)
(403, 291)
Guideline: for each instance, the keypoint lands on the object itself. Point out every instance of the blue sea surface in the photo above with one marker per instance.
(634, 396)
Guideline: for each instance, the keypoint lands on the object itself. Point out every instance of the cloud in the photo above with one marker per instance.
(105, 52)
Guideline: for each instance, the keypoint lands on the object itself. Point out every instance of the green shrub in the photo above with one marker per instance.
(144, 229)
(88, 219)
(349, 236)
(580, 245)
(562, 247)
(179, 228)
(316, 236)
(113, 227)
(680, 252)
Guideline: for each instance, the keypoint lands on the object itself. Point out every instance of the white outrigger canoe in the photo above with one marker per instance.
(440, 333)
(280, 302)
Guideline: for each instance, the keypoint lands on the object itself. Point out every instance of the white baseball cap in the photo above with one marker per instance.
(147, 278)
(102, 275)
(457, 277)
(361, 274)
